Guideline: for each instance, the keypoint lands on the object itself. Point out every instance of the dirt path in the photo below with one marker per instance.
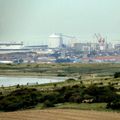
(59, 114)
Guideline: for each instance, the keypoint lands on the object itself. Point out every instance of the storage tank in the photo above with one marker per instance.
(55, 41)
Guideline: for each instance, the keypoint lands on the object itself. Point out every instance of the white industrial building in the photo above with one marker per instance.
(55, 41)
(10, 45)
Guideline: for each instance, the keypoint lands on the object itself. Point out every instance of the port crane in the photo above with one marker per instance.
(101, 41)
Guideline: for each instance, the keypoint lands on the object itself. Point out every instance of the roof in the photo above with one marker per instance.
(54, 35)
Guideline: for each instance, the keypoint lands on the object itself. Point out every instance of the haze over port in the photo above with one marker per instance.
(32, 21)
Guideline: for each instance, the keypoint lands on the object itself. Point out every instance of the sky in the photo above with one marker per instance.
(32, 21)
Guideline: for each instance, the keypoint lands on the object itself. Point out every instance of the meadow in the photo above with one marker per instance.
(86, 82)
(62, 69)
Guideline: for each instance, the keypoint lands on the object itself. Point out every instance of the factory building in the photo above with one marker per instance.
(12, 47)
(9, 45)
(83, 47)
(117, 46)
(55, 41)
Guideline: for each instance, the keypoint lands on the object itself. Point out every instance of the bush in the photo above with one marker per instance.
(17, 86)
(19, 99)
(50, 96)
(76, 98)
(101, 94)
(114, 105)
(0, 93)
(47, 104)
(117, 74)
(70, 80)
(61, 75)
(24, 98)
(80, 77)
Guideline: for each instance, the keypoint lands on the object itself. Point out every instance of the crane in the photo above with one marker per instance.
(101, 41)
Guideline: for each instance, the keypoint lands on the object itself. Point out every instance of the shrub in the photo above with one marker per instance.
(18, 86)
(47, 104)
(101, 94)
(53, 97)
(76, 98)
(117, 74)
(70, 80)
(61, 75)
(114, 105)
(0, 93)
(80, 77)
(55, 85)
(19, 99)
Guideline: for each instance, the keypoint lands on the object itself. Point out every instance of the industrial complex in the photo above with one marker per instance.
(61, 49)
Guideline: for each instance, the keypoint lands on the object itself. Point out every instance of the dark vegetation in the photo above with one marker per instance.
(70, 80)
(117, 75)
(25, 98)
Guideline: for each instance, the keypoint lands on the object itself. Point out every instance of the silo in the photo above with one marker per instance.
(54, 41)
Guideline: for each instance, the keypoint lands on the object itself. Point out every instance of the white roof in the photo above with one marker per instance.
(54, 35)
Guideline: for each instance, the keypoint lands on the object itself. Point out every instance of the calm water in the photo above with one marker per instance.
(11, 81)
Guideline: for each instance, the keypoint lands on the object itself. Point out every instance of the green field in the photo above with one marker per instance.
(59, 69)
(99, 75)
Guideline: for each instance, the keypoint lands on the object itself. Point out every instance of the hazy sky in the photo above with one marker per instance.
(32, 21)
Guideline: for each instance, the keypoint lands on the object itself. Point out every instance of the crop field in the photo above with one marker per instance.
(59, 114)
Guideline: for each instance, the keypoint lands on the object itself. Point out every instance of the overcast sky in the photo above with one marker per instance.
(32, 21)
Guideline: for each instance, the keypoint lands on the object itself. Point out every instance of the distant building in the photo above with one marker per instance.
(6, 61)
(117, 46)
(55, 41)
(37, 47)
(83, 47)
(109, 46)
(10, 45)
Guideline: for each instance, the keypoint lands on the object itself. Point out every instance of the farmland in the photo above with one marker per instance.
(59, 114)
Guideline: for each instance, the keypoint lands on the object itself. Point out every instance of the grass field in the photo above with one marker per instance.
(59, 69)
(79, 106)
(100, 81)
(84, 106)
(99, 74)
(59, 114)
